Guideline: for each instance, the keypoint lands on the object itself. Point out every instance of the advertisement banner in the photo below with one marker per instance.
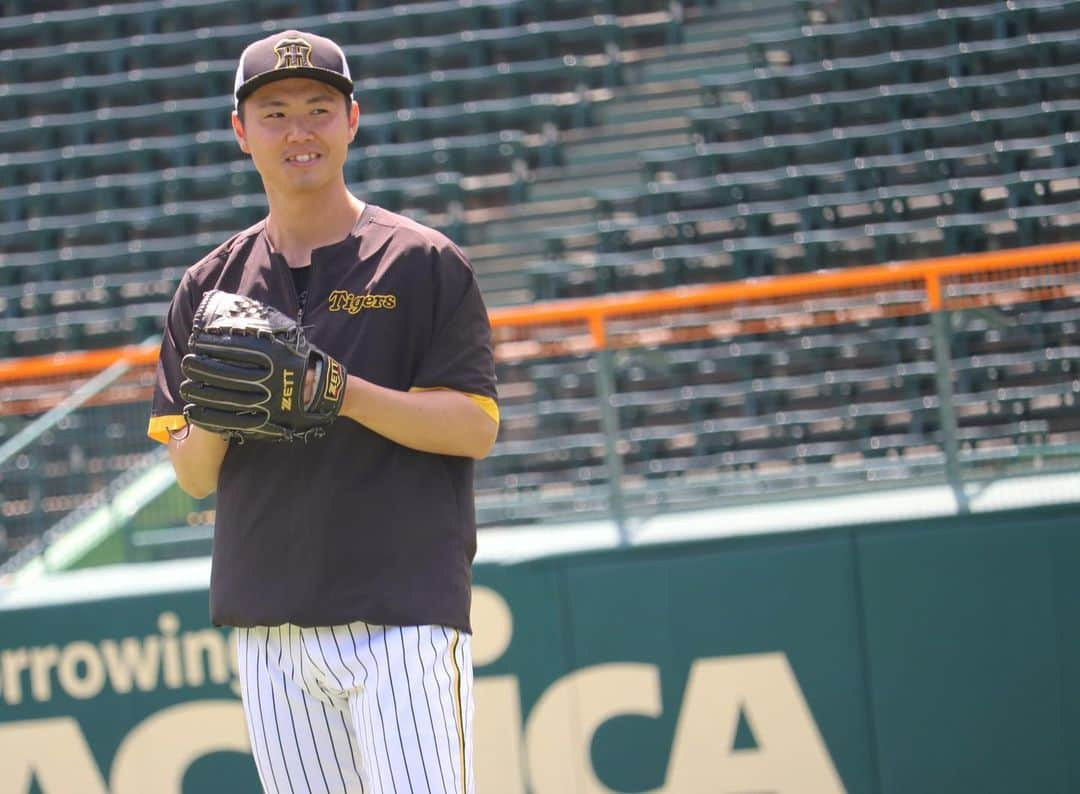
(929, 657)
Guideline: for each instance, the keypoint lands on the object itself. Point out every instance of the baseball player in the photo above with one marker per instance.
(344, 558)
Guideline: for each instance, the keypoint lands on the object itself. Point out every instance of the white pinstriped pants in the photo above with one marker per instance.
(359, 708)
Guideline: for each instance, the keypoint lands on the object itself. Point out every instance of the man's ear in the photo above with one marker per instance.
(238, 131)
(354, 119)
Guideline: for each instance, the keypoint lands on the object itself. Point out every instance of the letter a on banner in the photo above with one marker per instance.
(790, 758)
(52, 751)
(155, 756)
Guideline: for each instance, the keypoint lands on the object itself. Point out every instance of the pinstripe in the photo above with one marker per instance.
(288, 707)
(356, 715)
(412, 708)
(243, 638)
(362, 717)
(277, 730)
(397, 711)
(361, 731)
(439, 663)
(427, 701)
(364, 728)
(314, 678)
(305, 653)
(352, 737)
(263, 667)
(367, 711)
(341, 687)
(371, 693)
(420, 751)
(305, 702)
(367, 729)
(330, 669)
(378, 705)
(333, 748)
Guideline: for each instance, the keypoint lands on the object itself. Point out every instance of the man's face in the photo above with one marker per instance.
(297, 132)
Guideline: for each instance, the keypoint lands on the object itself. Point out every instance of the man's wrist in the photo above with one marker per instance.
(352, 404)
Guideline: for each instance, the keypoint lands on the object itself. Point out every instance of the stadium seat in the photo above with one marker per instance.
(560, 144)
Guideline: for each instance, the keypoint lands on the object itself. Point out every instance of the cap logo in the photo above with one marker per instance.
(292, 54)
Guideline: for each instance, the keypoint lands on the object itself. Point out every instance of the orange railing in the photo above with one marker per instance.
(782, 303)
(786, 303)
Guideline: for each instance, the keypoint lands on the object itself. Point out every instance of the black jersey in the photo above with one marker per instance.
(351, 526)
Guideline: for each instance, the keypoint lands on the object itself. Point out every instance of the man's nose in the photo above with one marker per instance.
(298, 130)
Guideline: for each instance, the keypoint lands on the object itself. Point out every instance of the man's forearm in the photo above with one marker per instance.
(439, 421)
(196, 456)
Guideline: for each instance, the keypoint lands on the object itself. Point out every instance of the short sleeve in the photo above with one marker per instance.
(460, 356)
(167, 411)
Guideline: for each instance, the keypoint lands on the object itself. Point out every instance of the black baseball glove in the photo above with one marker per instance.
(244, 376)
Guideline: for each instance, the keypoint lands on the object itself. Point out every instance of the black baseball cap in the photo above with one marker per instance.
(292, 53)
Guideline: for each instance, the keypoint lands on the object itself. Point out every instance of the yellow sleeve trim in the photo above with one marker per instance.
(489, 406)
(161, 425)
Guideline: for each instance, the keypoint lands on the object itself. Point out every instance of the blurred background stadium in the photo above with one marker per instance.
(574, 148)
(753, 265)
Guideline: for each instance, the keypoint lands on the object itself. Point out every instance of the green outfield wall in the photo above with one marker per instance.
(938, 657)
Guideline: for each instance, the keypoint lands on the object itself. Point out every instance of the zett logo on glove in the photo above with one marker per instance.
(288, 383)
(335, 379)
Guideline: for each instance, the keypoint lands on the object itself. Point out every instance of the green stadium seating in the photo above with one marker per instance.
(500, 81)
(933, 28)
(563, 145)
(920, 66)
(725, 430)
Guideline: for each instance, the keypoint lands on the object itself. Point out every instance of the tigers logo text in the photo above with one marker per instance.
(342, 300)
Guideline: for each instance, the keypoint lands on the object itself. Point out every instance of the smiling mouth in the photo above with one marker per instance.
(308, 157)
